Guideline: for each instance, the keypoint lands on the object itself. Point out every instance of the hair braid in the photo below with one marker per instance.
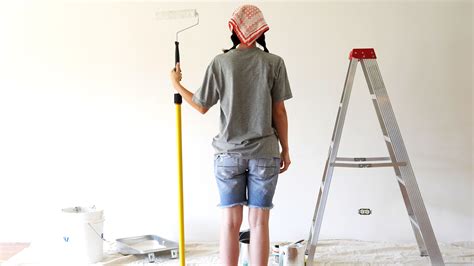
(261, 41)
(235, 41)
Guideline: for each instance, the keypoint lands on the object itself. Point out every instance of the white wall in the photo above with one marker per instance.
(86, 116)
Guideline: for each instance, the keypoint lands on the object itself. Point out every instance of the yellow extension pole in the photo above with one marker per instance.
(178, 101)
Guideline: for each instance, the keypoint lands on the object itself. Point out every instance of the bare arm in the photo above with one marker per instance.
(187, 95)
(280, 121)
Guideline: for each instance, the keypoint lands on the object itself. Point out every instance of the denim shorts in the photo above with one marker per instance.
(250, 182)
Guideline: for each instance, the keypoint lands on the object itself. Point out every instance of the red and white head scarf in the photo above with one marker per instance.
(248, 23)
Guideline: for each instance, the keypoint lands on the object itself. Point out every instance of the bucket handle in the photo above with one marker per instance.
(101, 236)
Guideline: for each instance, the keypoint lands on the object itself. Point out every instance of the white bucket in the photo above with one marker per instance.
(83, 234)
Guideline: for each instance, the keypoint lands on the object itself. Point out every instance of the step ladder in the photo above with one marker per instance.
(398, 159)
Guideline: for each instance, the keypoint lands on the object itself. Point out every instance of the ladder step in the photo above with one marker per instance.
(387, 139)
(368, 165)
(362, 159)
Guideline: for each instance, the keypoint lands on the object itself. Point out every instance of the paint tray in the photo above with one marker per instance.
(147, 245)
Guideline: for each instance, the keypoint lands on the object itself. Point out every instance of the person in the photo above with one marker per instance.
(251, 86)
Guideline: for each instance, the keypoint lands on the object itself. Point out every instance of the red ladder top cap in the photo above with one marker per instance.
(362, 53)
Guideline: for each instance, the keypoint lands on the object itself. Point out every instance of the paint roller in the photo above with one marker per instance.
(178, 14)
(173, 15)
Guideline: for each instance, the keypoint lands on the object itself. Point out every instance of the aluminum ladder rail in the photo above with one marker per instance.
(398, 159)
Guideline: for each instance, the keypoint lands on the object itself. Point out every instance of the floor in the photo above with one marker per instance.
(8, 250)
(329, 252)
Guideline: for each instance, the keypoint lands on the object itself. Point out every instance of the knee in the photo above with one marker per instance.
(232, 224)
(232, 220)
(258, 223)
(258, 218)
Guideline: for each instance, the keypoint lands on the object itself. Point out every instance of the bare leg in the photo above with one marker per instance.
(259, 236)
(229, 242)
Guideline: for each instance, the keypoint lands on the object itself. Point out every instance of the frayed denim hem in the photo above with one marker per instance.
(260, 207)
(243, 203)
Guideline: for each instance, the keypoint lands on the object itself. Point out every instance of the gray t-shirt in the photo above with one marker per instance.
(246, 82)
